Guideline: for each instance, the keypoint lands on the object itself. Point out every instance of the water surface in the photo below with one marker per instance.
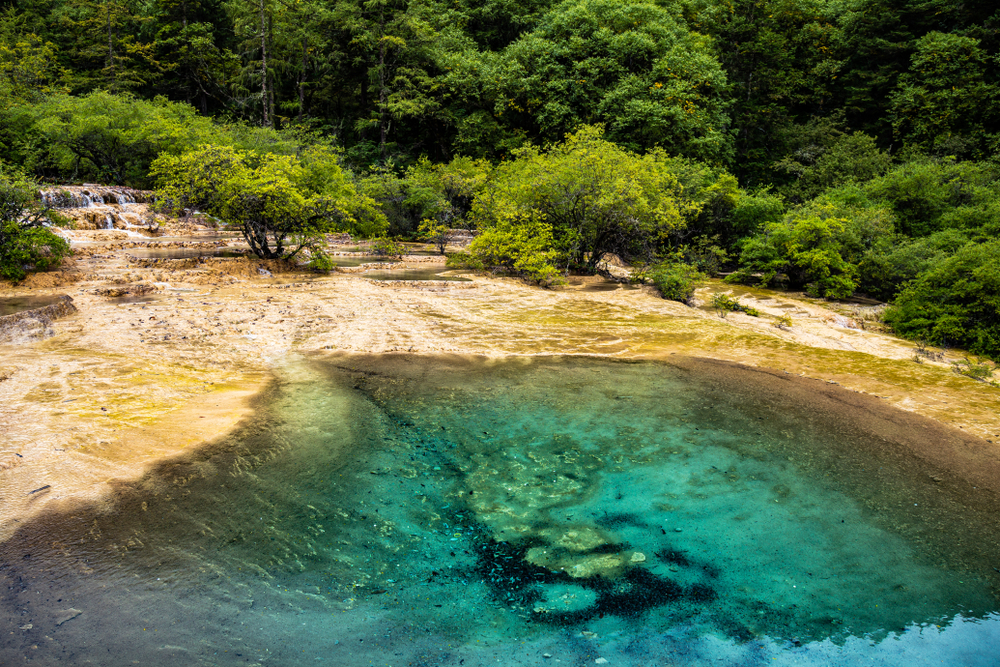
(396, 511)
(15, 304)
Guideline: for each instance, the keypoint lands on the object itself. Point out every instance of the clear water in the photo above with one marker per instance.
(424, 272)
(407, 511)
(15, 304)
(187, 253)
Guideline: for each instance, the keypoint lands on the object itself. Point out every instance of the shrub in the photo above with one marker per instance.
(723, 304)
(385, 246)
(282, 204)
(519, 245)
(25, 242)
(956, 302)
(675, 280)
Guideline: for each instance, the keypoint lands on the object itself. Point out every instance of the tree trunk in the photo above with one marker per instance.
(382, 102)
(264, 97)
(111, 46)
(302, 81)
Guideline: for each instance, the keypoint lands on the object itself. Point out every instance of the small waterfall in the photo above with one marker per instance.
(109, 221)
(86, 201)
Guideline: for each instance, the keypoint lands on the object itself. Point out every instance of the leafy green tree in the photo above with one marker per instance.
(103, 40)
(390, 42)
(283, 205)
(817, 246)
(26, 243)
(944, 102)
(29, 69)
(955, 303)
(929, 195)
(595, 197)
(781, 65)
(110, 138)
(631, 65)
(888, 266)
(851, 158)
(445, 192)
(195, 67)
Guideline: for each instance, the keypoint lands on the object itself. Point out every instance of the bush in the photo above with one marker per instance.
(954, 303)
(723, 304)
(519, 245)
(281, 204)
(593, 197)
(817, 247)
(25, 242)
(676, 281)
(385, 246)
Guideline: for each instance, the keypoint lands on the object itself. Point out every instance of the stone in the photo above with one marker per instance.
(66, 615)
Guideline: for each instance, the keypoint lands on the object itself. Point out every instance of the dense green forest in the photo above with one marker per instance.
(839, 147)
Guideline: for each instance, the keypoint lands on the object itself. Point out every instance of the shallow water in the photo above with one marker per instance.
(424, 272)
(15, 304)
(442, 512)
(187, 253)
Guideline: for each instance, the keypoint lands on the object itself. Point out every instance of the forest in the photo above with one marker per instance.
(843, 148)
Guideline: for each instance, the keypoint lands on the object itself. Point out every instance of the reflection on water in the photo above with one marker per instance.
(15, 304)
(187, 253)
(424, 272)
(444, 512)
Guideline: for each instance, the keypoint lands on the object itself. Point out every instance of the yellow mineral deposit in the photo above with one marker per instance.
(126, 381)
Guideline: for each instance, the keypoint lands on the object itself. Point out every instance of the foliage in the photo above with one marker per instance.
(851, 158)
(817, 246)
(593, 197)
(445, 192)
(632, 65)
(929, 195)
(435, 232)
(26, 243)
(520, 244)
(942, 104)
(977, 369)
(676, 280)
(955, 302)
(281, 204)
(723, 304)
(387, 246)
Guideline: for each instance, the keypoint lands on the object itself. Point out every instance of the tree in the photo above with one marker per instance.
(629, 64)
(283, 205)
(780, 65)
(817, 246)
(850, 158)
(944, 103)
(194, 66)
(594, 197)
(26, 243)
(103, 39)
(956, 302)
(111, 138)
